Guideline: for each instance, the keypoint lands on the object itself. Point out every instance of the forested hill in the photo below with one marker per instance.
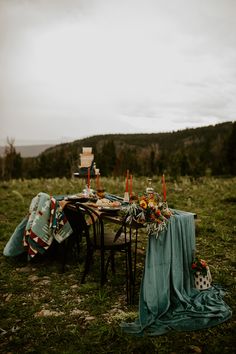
(193, 152)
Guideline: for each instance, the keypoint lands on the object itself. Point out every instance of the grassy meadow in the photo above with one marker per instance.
(43, 310)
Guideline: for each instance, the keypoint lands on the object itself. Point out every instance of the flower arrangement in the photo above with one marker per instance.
(149, 210)
(199, 265)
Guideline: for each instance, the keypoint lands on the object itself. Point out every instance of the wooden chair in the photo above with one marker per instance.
(92, 227)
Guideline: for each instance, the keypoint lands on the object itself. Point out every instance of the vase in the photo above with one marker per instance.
(203, 282)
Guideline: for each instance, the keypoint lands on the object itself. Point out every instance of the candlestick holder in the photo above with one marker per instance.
(126, 197)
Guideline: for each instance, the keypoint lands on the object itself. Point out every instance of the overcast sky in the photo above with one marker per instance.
(75, 68)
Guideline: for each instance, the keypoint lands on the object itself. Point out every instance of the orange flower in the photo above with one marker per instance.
(143, 204)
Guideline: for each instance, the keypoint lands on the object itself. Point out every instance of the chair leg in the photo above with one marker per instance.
(62, 250)
(78, 245)
(88, 261)
(111, 258)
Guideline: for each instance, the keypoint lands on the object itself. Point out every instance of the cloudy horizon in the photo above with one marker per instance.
(87, 67)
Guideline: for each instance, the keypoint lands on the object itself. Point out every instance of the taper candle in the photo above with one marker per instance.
(127, 181)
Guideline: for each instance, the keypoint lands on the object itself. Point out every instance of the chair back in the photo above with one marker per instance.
(93, 220)
(77, 221)
(108, 243)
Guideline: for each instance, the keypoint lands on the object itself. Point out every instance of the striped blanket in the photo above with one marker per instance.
(45, 222)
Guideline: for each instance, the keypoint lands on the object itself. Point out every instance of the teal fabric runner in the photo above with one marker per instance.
(168, 299)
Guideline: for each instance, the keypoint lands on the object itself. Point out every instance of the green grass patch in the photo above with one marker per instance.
(46, 311)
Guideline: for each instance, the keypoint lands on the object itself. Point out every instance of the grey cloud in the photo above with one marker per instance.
(162, 63)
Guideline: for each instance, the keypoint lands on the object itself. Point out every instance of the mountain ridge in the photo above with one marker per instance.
(192, 151)
(29, 150)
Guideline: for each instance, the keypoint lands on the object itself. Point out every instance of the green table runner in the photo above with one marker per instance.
(168, 299)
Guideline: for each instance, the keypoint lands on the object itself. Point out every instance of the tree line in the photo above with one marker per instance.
(193, 152)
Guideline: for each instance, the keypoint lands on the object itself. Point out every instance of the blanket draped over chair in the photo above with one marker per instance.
(45, 221)
(168, 299)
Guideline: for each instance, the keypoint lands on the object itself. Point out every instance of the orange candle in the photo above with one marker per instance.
(164, 188)
(127, 182)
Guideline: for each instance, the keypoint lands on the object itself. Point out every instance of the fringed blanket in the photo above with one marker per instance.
(46, 221)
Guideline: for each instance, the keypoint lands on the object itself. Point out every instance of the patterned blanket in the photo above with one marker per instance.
(45, 221)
